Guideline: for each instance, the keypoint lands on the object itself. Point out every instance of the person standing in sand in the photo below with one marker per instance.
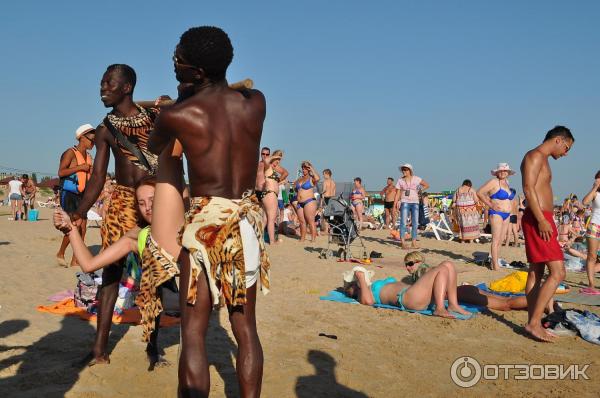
(541, 235)
(15, 195)
(125, 132)
(592, 234)
(259, 186)
(388, 193)
(74, 172)
(407, 193)
(328, 193)
(29, 192)
(223, 253)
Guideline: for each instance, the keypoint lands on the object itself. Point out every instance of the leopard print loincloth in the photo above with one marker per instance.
(121, 215)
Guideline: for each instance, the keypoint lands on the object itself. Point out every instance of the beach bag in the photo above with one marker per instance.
(70, 184)
(86, 291)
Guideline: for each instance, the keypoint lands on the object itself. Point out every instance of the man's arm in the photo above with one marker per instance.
(160, 137)
(593, 192)
(96, 182)
(65, 161)
(530, 170)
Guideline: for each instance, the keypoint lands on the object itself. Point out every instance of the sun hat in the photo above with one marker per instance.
(406, 166)
(503, 167)
(350, 277)
(83, 130)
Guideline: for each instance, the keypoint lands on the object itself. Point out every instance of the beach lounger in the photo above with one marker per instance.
(441, 229)
(47, 205)
(93, 216)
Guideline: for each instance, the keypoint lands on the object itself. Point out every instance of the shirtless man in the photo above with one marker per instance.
(135, 123)
(388, 193)
(541, 243)
(29, 191)
(328, 193)
(220, 131)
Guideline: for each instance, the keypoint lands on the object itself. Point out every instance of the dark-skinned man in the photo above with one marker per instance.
(223, 252)
(132, 163)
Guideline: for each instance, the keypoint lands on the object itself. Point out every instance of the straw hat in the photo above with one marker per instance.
(406, 166)
(503, 167)
(83, 130)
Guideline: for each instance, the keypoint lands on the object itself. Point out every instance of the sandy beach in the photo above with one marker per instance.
(377, 353)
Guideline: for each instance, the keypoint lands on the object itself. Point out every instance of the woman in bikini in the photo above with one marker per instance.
(357, 196)
(305, 194)
(274, 176)
(497, 196)
(433, 287)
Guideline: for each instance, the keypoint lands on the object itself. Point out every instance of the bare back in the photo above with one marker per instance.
(220, 131)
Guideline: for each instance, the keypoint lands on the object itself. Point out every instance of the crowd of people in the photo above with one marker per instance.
(211, 233)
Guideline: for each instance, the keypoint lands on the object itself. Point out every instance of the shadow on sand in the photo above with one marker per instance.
(323, 383)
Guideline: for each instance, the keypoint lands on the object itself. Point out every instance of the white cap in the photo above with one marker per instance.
(83, 130)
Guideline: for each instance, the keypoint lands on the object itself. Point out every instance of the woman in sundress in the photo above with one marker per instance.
(466, 212)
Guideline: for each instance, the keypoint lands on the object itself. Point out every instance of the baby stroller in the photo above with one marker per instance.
(342, 230)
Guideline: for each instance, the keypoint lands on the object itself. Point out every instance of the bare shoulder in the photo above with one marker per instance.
(102, 133)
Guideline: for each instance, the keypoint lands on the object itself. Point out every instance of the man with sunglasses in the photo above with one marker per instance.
(539, 229)
(222, 256)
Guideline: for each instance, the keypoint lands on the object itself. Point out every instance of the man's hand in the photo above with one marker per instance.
(62, 222)
(76, 219)
(597, 183)
(84, 167)
(545, 230)
(161, 99)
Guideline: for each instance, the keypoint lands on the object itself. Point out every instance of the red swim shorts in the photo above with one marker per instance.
(537, 249)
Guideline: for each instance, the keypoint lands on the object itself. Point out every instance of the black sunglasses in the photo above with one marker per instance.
(410, 263)
(179, 63)
(265, 154)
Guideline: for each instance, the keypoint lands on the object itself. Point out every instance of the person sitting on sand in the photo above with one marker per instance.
(132, 241)
(432, 288)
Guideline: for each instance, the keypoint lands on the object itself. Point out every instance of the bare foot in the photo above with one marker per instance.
(91, 360)
(155, 359)
(61, 261)
(443, 313)
(458, 309)
(414, 245)
(405, 246)
(537, 332)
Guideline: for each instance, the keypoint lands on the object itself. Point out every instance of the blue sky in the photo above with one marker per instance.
(358, 87)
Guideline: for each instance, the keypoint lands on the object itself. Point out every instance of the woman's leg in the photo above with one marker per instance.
(13, 205)
(430, 287)
(403, 217)
(452, 294)
(497, 236)
(301, 221)
(591, 260)
(310, 210)
(472, 295)
(359, 208)
(168, 205)
(270, 204)
(415, 223)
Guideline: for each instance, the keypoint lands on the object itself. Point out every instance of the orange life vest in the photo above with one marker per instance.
(82, 176)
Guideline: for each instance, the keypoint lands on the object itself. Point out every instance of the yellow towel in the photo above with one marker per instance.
(512, 283)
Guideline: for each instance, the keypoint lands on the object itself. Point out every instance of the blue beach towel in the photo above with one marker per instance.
(340, 297)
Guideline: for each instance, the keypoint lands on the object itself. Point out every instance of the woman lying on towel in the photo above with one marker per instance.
(438, 282)
(417, 268)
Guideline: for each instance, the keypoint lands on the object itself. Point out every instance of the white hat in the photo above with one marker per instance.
(407, 166)
(503, 167)
(350, 277)
(83, 130)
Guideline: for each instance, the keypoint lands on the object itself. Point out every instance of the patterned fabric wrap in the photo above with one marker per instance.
(158, 267)
(137, 129)
(120, 217)
(467, 215)
(593, 231)
(211, 233)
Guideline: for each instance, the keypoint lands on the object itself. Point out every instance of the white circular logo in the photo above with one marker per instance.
(465, 372)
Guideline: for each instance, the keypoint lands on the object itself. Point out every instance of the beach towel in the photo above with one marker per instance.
(578, 298)
(562, 289)
(512, 283)
(212, 233)
(340, 297)
(67, 307)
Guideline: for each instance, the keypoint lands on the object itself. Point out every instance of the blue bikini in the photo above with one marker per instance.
(501, 194)
(305, 185)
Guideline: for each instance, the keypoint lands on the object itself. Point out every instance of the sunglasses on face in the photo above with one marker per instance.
(265, 154)
(178, 62)
(410, 263)
(567, 147)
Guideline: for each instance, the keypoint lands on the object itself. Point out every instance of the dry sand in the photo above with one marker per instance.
(378, 353)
